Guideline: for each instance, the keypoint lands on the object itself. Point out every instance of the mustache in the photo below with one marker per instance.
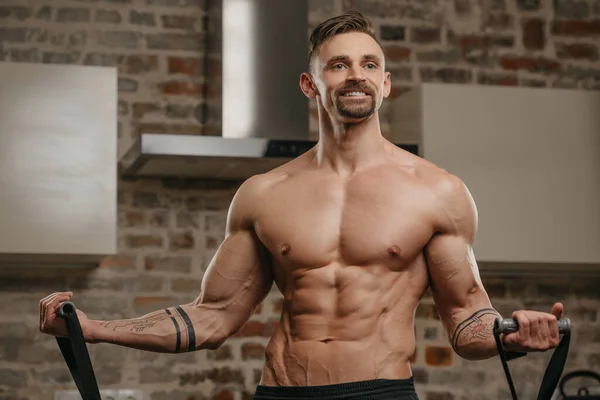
(355, 87)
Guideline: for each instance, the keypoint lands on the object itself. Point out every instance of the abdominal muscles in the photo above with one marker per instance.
(344, 323)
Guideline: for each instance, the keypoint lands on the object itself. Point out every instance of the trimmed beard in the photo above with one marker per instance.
(360, 110)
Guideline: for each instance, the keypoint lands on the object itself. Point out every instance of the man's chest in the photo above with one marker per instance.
(360, 224)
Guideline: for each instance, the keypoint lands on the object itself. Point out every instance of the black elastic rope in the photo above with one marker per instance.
(75, 353)
(553, 372)
(504, 362)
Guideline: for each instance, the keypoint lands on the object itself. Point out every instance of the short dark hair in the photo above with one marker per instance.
(350, 21)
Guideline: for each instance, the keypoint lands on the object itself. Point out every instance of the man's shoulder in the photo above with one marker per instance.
(259, 185)
(438, 180)
(455, 207)
(446, 185)
(451, 199)
(256, 186)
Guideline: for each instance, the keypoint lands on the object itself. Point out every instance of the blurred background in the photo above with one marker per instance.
(168, 58)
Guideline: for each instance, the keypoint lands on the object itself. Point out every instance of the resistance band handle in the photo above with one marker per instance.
(557, 362)
(65, 309)
(75, 353)
(510, 325)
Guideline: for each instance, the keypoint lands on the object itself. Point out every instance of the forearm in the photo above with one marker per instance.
(473, 337)
(172, 330)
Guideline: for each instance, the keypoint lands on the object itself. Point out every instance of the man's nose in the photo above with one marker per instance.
(356, 74)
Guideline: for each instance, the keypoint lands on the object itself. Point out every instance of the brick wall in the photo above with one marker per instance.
(168, 232)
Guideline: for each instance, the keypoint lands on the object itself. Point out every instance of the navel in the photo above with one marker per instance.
(394, 250)
(285, 248)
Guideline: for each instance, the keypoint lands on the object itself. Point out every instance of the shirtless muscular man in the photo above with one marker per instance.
(353, 232)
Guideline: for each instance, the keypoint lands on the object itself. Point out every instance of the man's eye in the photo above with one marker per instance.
(338, 66)
(371, 66)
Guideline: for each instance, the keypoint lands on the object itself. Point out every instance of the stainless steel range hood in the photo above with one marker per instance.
(265, 116)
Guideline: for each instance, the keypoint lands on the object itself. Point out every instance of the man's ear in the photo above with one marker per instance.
(387, 84)
(307, 85)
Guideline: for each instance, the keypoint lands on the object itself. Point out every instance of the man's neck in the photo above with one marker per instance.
(348, 148)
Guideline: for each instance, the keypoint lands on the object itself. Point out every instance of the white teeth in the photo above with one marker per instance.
(355, 94)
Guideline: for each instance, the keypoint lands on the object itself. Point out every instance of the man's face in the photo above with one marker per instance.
(349, 74)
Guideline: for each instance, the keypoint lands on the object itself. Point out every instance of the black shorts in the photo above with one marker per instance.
(377, 389)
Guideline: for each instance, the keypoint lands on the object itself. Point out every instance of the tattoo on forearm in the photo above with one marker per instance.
(184, 328)
(474, 328)
(138, 325)
(178, 332)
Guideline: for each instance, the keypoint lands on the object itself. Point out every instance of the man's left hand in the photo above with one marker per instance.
(538, 331)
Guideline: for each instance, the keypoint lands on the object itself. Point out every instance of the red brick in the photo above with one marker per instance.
(152, 127)
(534, 36)
(179, 111)
(185, 65)
(212, 129)
(181, 241)
(180, 88)
(531, 64)
(497, 79)
(439, 396)
(159, 219)
(463, 7)
(576, 28)
(215, 89)
(438, 356)
(528, 5)
(499, 21)
(257, 328)
(134, 218)
(169, 264)
(222, 353)
(137, 64)
(397, 53)
(253, 351)
(225, 375)
(445, 74)
(426, 35)
(224, 395)
(421, 375)
(118, 262)
(215, 68)
(469, 43)
(141, 109)
(186, 285)
(211, 242)
(182, 22)
(139, 241)
(398, 91)
(531, 82)
(577, 51)
(427, 311)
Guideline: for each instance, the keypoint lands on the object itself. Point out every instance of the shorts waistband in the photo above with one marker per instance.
(375, 389)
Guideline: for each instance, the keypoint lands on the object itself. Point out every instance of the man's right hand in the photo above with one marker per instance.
(50, 322)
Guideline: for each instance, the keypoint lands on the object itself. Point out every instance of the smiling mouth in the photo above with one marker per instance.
(354, 94)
